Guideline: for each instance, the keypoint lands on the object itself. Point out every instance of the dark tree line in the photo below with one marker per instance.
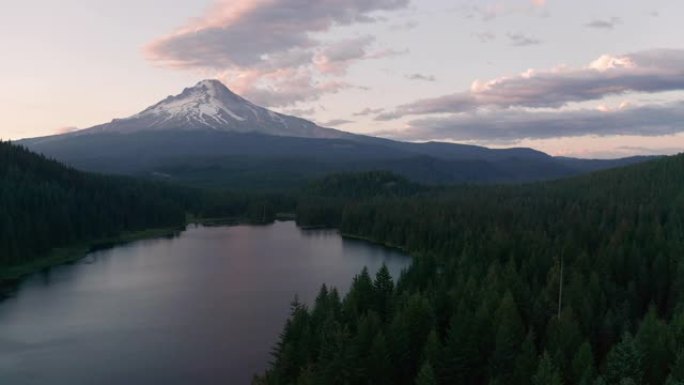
(45, 205)
(322, 202)
(482, 301)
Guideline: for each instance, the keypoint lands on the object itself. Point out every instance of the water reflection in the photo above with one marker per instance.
(202, 308)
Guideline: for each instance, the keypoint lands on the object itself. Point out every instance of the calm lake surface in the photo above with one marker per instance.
(203, 308)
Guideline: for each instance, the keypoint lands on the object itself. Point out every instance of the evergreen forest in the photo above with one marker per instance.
(578, 281)
(45, 205)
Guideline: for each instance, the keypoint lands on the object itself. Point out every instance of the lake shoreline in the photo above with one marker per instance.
(376, 242)
(11, 275)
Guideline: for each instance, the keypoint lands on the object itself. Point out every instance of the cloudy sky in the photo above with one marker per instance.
(588, 78)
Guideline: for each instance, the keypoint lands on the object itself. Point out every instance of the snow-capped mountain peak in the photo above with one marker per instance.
(206, 104)
(210, 105)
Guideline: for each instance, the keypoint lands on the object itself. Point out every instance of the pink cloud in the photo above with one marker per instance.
(512, 125)
(267, 46)
(647, 71)
(336, 58)
(280, 87)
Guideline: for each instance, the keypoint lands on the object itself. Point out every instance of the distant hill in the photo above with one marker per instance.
(209, 136)
(363, 185)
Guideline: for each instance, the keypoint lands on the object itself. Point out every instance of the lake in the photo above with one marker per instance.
(205, 307)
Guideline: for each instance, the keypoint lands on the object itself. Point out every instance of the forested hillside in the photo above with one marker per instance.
(45, 205)
(571, 282)
(322, 202)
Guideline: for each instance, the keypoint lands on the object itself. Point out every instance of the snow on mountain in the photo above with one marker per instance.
(210, 105)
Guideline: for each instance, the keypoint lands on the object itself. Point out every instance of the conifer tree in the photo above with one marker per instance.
(623, 363)
(583, 370)
(655, 343)
(526, 362)
(432, 350)
(383, 288)
(379, 362)
(547, 373)
(426, 375)
(510, 333)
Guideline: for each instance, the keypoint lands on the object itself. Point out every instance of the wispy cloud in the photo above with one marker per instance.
(65, 130)
(369, 111)
(267, 49)
(336, 122)
(606, 24)
(484, 37)
(498, 9)
(520, 40)
(421, 77)
(405, 26)
(505, 126)
(300, 111)
(336, 58)
(650, 150)
(646, 71)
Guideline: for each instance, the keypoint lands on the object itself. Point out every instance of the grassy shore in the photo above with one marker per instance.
(63, 255)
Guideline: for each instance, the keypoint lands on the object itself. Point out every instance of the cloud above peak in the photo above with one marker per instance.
(646, 72)
(243, 32)
(273, 40)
